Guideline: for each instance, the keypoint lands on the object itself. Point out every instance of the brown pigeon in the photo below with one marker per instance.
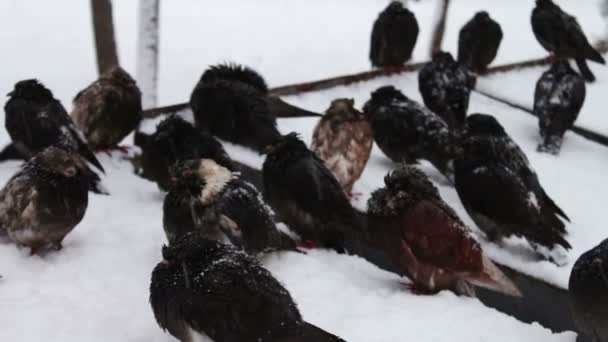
(45, 200)
(108, 110)
(425, 238)
(343, 139)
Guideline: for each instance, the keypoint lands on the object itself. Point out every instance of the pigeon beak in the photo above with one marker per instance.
(11, 93)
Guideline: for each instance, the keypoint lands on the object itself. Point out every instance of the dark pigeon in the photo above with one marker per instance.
(502, 193)
(36, 120)
(445, 87)
(176, 139)
(394, 36)
(560, 33)
(478, 42)
(209, 198)
(205, 288)
(588, 290)
(306, 195)
(232, 102)
(558, 99)
(242, 74)
(407, 132)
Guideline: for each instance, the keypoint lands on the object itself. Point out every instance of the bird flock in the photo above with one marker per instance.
(217, 223)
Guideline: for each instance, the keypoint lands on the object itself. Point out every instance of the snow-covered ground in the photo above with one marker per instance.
(96, 288)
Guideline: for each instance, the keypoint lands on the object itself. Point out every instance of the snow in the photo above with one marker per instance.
(533, 200)
(96, 288)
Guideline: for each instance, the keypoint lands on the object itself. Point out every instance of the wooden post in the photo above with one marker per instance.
(103, 28)
(439, 31)
(147, 52)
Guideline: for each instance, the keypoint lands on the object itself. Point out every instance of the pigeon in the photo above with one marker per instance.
(588, 291)
(425, 238)
(183, 210)
(558, 99)
(210, 198)
(204, 289)
(478, 42)
(232, 103)
(45, 200)
(108, 110)
(502, 193)
(405, 131)
(238, 73)
(235, 112)
(445, 87)
(343, 139)
(560, 33)
(176, 139)
(394, 36)
(306, 195)
(36, 120)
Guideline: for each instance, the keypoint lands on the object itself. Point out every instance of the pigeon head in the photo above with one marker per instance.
(55, 164)
(443, 57)
(173, 124)
(32, 90)
(185, 168)
(163, 141)
(483, 125)
(562, 67)
(411, 180)
(482, 15)
(190, 246)
(395, 7)
(404, 187)
(119, 75)
(343, 108)
(383, 96)
(235, 72)
(288, 143)
(545, 3)
(186, 172)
